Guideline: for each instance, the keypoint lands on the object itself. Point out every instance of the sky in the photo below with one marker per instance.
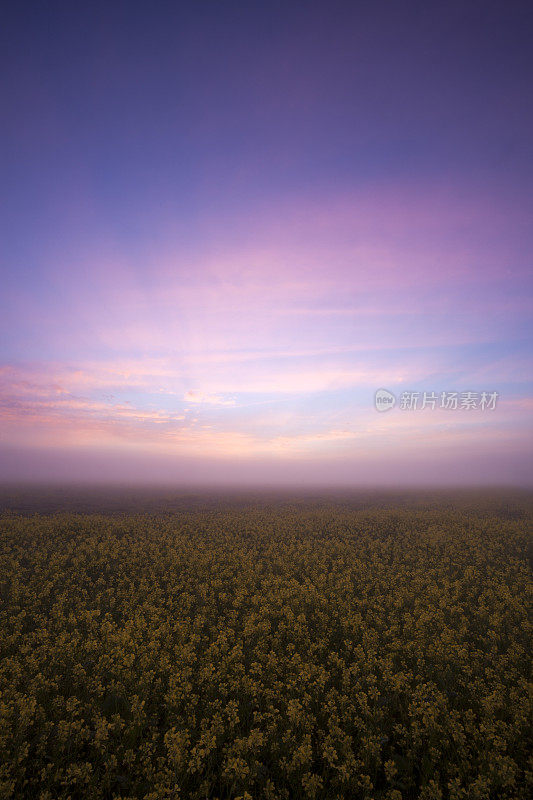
(226, 225)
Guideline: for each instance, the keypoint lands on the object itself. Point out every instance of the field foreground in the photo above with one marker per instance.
(267, 650)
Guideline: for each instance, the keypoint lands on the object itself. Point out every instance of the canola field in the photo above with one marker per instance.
(274, 649)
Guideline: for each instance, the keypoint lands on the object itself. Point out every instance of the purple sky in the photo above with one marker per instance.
(228, 224)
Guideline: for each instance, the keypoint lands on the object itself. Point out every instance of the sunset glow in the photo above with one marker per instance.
(225, 231)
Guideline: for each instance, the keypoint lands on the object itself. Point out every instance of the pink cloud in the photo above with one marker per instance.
(209, 399)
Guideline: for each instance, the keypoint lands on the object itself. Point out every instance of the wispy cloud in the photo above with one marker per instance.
(209, 399)
(270, 342)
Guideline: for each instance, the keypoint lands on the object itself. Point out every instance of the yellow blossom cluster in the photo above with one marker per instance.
(277, 651)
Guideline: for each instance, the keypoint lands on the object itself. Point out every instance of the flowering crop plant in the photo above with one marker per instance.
(269, 649)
